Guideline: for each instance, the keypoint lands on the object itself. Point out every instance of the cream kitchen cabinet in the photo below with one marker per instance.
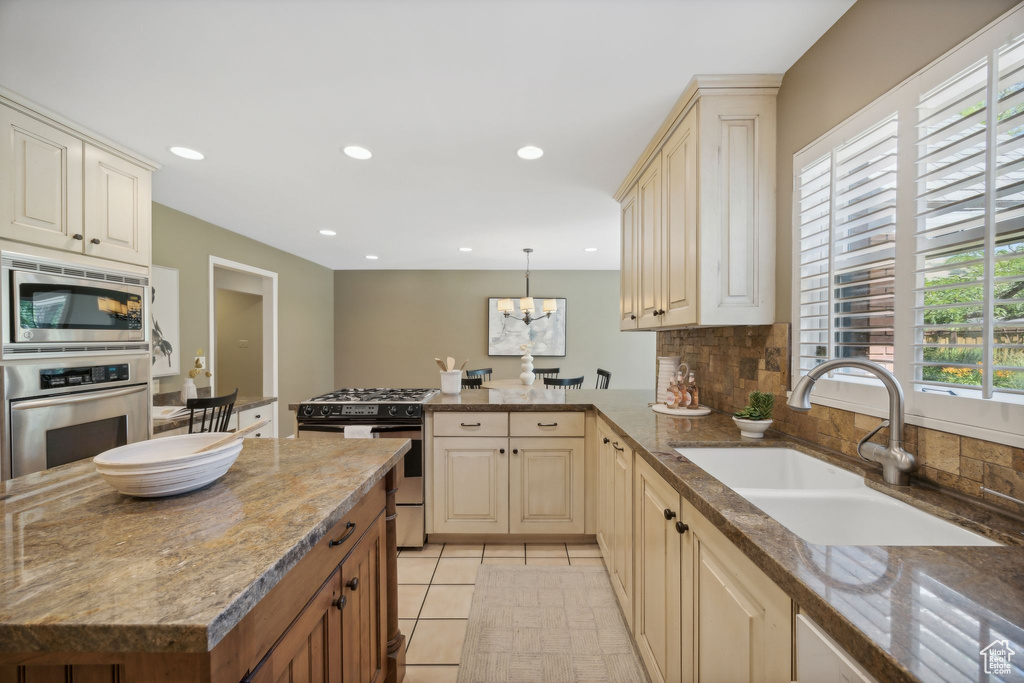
(546, 485)
(251, 416)
(63, 188)
(605, 517)
(471, 477)
(820, 659)
(620, 562)
(699, 209)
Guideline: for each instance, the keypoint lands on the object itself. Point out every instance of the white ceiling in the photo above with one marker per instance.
(442, 92)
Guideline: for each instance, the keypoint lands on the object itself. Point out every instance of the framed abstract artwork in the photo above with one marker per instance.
(163, 315)
(505, 335)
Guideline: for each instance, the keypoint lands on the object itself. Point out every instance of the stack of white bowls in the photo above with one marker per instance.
(168, 466)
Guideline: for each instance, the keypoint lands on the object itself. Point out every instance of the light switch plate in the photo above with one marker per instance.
(202, 362)
(243, 343)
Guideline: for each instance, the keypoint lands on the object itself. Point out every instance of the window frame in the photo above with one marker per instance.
(988, 419)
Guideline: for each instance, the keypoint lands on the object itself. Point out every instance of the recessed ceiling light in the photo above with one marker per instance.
(530, 152)
(186, 153)
(590, 249)
(357, 152)
(329, 233)
(465, 248)
(372, 257)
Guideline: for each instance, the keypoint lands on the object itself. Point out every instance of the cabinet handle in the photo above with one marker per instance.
(77, 236)
(515, 451)
(547, 424)
(632, 316)
(258, 434)
(95, 240)
(350, 528)
(617, 447)
(258, 416)
(669, 514)
(682, 528)
(353, 584)
(502, 451)
(606, 440)
(470, 424)
(340, 602)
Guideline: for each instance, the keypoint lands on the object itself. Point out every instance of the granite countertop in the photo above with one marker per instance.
(905, 613)
(84, 568)
(241, 403)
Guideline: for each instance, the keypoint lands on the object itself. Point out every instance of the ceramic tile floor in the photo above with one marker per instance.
(435, 591)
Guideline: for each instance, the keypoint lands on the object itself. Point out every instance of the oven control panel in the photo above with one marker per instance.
(371, 410)
(59, 378)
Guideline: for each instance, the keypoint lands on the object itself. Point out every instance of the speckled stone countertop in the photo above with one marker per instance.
(84, 568)
(905, 613)
(241, 403)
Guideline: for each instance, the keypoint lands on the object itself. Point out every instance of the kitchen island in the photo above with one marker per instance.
(241, 579)
(903, 613)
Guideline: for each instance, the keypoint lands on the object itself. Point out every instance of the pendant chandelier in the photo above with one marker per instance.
(526, 304)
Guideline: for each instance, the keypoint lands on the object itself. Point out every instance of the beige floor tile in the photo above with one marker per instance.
(447, 602)
(456, 570)
(416, 569)
(502, 550)
(548, 561)
(437, 641)
(504, 560)
(457, 550)
(410, 599)
(407, 627)
(589, 550)
(428, 550)
(431, 674)
(545, 550)
(596, 561)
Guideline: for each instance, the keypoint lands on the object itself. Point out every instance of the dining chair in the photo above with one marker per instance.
(546, 372)
(484, 373)
(566, 382)
(472, 382)
(603, 377)
(216, 409)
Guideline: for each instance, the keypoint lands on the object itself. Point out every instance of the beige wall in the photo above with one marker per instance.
(239, 342)
(875, 46)
(305, 305)
(389, 326)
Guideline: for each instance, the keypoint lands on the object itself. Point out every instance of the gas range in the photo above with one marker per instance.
(366, 404)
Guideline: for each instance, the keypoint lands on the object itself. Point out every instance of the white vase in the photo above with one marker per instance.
(753, 429)
(188, 390)
(526, 376)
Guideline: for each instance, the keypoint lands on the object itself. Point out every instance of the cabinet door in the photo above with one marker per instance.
(605, 515)
(364, 617)
(628, 263)
(118, 208)
(620, 503)
(649, 246)
(819, 658)
(471, 485)
(740, 622)
(310, 650)
(40, 183)
(546, 485)
(254, 415)
(657, 572)
(679, 221)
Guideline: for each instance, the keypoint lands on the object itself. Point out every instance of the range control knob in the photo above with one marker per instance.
(393, 410)
(307, 410)
(325, 411)
(411, 410)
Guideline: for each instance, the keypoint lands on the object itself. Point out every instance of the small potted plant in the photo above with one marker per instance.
(756, 418)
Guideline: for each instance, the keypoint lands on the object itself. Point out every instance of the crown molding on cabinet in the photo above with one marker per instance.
(751, 84)
(50, 118)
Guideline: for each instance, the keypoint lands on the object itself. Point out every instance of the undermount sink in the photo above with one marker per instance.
(824, 504)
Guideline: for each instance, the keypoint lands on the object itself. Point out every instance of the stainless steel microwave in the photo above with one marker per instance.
(51, 304)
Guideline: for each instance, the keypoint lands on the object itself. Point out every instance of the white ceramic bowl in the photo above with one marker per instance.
(165, 467)
(753, 429)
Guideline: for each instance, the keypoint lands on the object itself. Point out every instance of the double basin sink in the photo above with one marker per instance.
(824, 504)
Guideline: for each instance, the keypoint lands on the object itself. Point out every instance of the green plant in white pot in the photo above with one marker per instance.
(755, 419)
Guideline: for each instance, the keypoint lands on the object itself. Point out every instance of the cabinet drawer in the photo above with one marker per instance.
(470, 424)
(253, 415)
(547, 424)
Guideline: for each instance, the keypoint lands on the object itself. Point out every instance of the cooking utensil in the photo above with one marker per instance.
(441, 365)
(451, 363)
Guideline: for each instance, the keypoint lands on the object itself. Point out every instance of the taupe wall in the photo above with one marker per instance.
(305, 302)
(239, 342)
(389, 326)
(875, 46)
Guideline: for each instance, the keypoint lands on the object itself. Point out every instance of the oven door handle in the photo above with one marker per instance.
(65, 400)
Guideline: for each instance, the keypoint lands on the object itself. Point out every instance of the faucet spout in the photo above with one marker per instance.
(897, 463)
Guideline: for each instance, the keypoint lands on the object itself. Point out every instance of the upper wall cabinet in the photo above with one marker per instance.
(65, 189)
(698, 211)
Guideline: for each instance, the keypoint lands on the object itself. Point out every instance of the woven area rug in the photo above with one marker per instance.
(546, 625)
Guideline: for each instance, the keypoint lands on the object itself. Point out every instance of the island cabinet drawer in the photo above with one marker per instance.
(470, 424)
(547, 424)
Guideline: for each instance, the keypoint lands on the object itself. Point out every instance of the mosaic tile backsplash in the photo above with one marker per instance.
(730, 362)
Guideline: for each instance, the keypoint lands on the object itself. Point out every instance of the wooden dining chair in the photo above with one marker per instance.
(566, 382)
(214, 413)
(546, 372)
(472, 382)
(603, 378)
(484, 373)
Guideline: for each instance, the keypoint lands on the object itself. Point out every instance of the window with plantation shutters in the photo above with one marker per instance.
(908, 224)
